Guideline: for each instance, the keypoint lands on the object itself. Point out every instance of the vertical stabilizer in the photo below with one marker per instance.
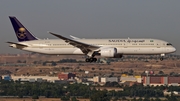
(21, 32)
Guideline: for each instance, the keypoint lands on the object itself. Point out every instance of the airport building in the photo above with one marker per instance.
(109, 79)
(66, 76)
(6, 77)
(161, 80)
(34, 78)
(122, 79)
(130, 78)
(96, 79)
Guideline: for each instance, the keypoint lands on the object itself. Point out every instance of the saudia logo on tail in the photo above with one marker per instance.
(21, 33)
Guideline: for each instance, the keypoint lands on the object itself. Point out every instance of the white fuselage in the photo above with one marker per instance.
(124, 46)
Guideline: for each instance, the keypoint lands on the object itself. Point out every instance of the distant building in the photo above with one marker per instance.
(161, 80)
(109, 79)
(34, 78)
(131, 79)
(66, 76)
(6, 77)
(96, 79)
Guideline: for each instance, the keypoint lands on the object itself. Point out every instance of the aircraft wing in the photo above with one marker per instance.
(74, 37)
(86, 48)
(18, 44)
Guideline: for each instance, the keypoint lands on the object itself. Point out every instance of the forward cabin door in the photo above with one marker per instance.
(161, 49)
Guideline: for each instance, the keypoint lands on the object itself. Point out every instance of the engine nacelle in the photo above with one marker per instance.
(108, 52)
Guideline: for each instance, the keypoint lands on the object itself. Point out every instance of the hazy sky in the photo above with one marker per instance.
(92, 19)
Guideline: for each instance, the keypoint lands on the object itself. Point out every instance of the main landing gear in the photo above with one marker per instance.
(161, 58)
(91, 59)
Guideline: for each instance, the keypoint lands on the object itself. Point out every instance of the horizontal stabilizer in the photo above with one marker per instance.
(18, 44)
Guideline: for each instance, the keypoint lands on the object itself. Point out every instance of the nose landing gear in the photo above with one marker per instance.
(162, 57)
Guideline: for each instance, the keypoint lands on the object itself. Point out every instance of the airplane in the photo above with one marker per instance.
(108, 48)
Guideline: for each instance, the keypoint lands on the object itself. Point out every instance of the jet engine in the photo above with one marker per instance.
(108, 52)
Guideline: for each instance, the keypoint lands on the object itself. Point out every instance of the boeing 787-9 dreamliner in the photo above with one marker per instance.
(109, 48)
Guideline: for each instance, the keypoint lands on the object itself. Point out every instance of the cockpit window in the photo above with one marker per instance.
(169, 44)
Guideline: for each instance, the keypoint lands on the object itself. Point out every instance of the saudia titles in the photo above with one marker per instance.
(117, 40)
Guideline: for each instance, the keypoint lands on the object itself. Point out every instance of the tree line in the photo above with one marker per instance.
(67, 91)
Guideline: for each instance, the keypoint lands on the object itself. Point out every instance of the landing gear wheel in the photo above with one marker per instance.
(91, 59)
(87, 60)
(95, 59)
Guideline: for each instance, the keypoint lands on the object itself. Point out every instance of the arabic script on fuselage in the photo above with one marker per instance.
(121, 40)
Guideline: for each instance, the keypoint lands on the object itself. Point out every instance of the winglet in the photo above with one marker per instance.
(76, 38)
(59, 36)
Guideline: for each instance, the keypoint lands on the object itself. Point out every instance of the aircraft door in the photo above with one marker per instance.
(163, 47)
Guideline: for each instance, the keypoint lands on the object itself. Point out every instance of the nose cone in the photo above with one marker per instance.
(173, 49)
(170, 49)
